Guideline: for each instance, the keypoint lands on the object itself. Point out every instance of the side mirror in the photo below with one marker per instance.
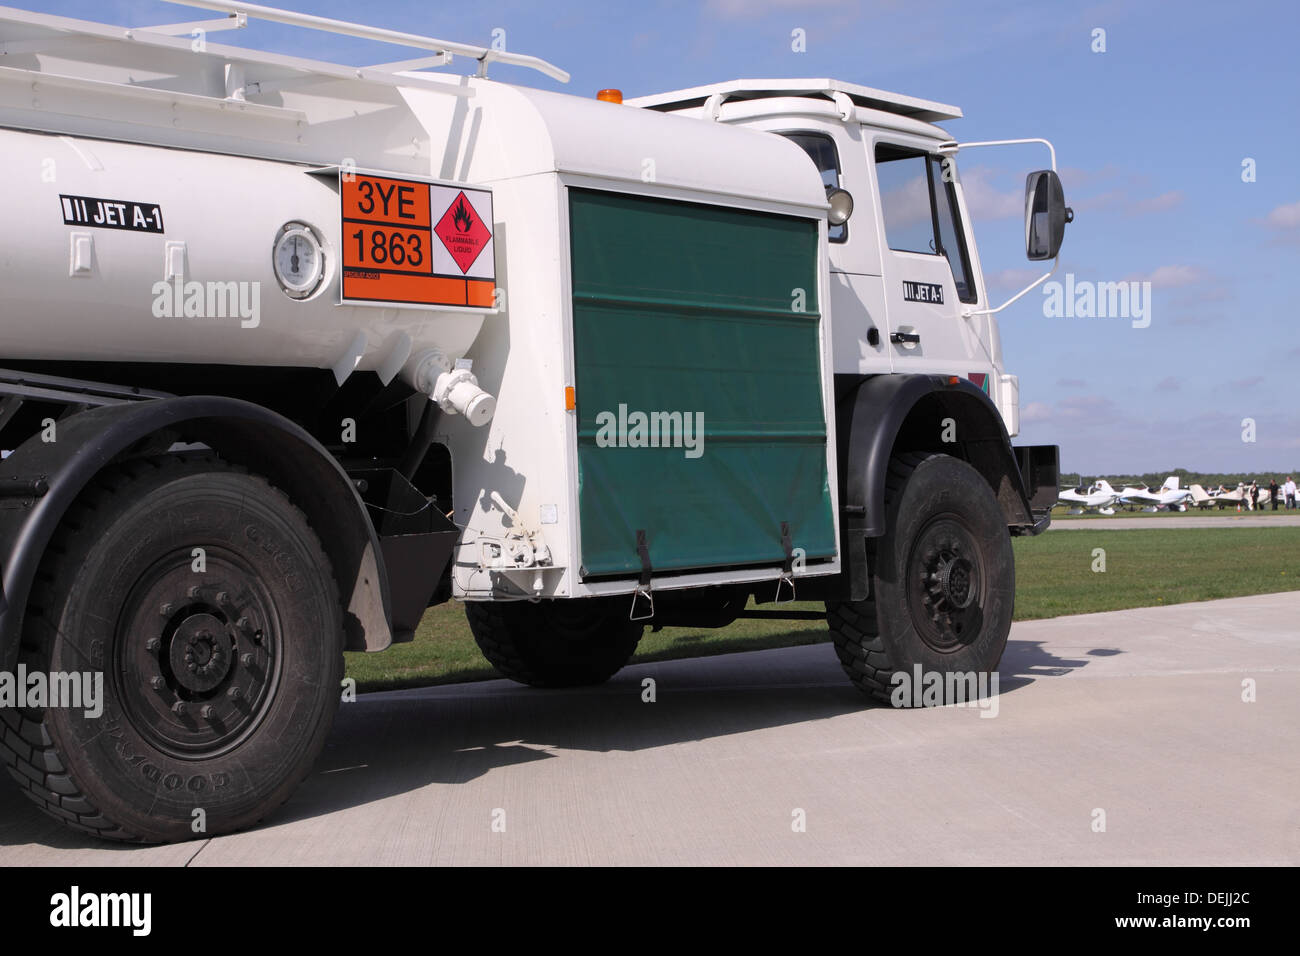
(841, 201)
(1045, 215)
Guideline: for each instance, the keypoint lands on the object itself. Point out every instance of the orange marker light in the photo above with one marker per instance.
(570, 399)
(610, 96)
(953, 380)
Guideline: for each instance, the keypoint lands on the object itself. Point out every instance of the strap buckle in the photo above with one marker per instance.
(643, 583)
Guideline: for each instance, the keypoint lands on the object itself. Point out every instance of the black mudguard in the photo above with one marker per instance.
(40, 480)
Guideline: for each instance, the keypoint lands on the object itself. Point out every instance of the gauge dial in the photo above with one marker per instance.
(299, 260)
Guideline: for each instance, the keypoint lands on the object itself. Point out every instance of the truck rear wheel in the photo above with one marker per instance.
(566, 643)
(942, 582)
(203, 598)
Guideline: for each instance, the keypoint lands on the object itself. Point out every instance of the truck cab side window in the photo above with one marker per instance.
(905, 200)
(821, 150)
(920, 211)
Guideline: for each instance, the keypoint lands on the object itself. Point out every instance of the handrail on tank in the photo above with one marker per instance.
(483, 55)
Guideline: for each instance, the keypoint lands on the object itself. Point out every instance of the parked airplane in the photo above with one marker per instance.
(1169, 495)
(1200, 497)
(1099, 497)
(1236, 496)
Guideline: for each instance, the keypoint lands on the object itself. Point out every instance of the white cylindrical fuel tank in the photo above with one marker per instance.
(97, 230)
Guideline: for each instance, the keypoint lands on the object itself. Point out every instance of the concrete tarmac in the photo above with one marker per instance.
(1131, 720)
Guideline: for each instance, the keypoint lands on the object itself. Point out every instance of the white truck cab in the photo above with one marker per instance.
(907, 291)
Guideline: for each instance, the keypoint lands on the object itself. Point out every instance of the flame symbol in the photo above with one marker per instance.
(461, 216)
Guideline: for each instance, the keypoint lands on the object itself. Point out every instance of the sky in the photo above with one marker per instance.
(1156, 136)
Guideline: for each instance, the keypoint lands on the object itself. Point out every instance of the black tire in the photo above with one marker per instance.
(946, 544)
(564, 643)
(254, 635)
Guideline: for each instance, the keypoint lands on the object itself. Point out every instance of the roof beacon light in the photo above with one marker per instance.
(610, 96)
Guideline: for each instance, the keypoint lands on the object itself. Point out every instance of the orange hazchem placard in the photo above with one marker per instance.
(407, 242)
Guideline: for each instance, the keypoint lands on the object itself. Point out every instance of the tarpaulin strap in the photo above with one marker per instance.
(643, 583)
(787, 568)
(643, 552)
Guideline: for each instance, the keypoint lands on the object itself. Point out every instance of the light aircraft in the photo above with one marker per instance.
(1099, 497)
(1169, 495)
(1236, 496)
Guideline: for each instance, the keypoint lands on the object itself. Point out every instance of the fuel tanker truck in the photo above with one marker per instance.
(293, 351)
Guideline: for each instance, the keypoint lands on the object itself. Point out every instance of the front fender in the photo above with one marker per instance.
(878, 416)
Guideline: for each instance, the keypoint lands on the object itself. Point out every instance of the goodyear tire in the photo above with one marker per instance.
(942, 583)
(221, 666)
(566, 643)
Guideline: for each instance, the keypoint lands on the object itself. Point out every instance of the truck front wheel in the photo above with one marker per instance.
(200, 599)
(942, 585)
(565, 643)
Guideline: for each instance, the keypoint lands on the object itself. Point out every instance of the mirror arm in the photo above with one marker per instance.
(967, 313)
(952, 146)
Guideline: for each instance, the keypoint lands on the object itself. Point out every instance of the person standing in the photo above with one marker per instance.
(1289, 490)
(1254, 495)
(1272, 492)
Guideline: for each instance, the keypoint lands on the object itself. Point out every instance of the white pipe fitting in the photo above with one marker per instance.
(456, 390)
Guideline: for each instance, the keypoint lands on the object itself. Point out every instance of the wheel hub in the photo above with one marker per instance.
(201, 652)
(199, 662)
(945, 584)
(955, 582)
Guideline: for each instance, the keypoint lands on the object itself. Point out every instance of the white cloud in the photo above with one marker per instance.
(1171, 277)
(1086, 406)
(1035, 412)
(1284, 217)
(1074, 178)
(986, 201)
(1156, 203)
(1113, 197)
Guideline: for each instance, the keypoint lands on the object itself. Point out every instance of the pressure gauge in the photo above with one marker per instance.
(299, 260)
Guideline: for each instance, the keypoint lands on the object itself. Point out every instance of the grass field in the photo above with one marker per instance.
(1054, 576)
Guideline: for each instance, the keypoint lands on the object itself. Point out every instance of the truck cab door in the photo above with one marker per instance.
(859, 325)
(928, 276)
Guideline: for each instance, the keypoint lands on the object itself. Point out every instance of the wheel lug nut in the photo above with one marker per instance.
(244, 624)
(179, 708)
(207, 712)
(223, 597)
(246, 660)
(166, 610)
(157, 683)
(153, 645)
(193, 592)
(234, 693)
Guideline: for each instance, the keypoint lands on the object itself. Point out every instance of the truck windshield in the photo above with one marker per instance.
(821, 150)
